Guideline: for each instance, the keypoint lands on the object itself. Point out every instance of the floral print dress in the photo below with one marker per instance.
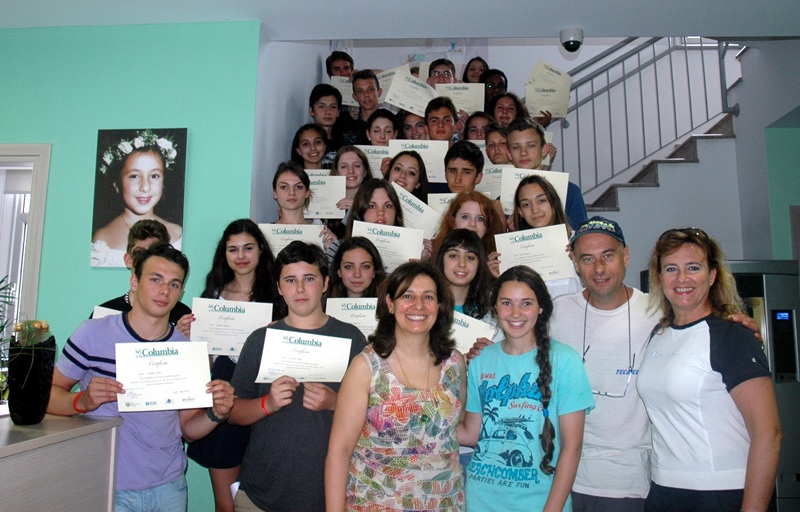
(407, 455)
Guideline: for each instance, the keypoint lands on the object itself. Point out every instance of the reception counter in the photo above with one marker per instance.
(63, 463)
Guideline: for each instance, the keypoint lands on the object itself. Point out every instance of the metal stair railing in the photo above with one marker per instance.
(635, 99)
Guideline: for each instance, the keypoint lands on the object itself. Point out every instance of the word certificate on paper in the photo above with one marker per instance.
(543, 249)
(163, 376)
(303, 356)
(225, 324)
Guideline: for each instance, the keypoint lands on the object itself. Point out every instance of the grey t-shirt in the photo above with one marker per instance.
(283, 467)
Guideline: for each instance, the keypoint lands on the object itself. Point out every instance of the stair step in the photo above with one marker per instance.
(685, 152)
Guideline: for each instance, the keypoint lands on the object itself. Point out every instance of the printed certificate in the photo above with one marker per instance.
(303, 356)
(467, 329)
(100, 312)
(225, 324)
(431, 151)
(468, 97)
(410, 93)
(385, 79)
(162, 376)
(417, 214)
(281, 235)
(440, 202)
(512, 176)
(359, 312)
(344, 86)
(491, 183)
(375, 156)
(544, 250)
(395, 244)
(318, 172)
(547, 88)
(326, 191)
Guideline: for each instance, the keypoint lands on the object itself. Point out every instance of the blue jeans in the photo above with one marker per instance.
(170, 497)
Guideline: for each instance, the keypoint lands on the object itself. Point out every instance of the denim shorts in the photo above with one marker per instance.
(170, 497)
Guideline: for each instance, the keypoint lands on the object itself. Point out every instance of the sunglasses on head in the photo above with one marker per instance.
(692, 232)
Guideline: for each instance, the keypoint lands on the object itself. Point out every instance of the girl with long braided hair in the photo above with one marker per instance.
(526, 402)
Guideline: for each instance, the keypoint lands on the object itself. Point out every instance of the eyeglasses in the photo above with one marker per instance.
(693, 232)
(492, 85)
(445, 74)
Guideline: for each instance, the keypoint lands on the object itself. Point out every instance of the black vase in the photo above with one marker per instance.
(30, 375)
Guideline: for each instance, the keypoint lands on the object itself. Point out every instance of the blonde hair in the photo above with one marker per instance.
(723, 297)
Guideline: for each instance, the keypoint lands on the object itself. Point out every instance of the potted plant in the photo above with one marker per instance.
(31, 357)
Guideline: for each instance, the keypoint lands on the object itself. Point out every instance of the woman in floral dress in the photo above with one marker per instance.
(393, 444)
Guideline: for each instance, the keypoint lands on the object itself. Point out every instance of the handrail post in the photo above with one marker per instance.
(722, 49)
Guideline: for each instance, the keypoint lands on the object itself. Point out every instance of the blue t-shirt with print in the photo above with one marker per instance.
(504, 473)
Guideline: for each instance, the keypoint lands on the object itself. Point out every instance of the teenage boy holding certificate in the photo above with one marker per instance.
(525, 147)
(283, 467)
(150, 459)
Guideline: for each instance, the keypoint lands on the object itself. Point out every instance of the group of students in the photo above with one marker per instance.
(387, 437)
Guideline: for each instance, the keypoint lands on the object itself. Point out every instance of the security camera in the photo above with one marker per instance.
(571, 38)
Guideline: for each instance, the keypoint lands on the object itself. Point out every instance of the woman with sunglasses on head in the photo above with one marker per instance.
(706, 385)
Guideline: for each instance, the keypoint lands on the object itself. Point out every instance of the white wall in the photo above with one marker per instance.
(769, 89)
(286, 74)
(702, 195)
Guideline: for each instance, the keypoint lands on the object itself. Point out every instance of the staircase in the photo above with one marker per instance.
(684, 153)
(698, 177)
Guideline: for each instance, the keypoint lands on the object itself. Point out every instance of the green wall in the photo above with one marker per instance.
(60, 85)
(783, 175)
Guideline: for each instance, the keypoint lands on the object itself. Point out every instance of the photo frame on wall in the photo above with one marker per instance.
(140, 174)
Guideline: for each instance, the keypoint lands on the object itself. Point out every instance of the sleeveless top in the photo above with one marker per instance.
(407, 455)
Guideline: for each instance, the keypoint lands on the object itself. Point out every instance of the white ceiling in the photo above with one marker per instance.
(297, 20)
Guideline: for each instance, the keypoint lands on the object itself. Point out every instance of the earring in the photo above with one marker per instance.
(391, 311)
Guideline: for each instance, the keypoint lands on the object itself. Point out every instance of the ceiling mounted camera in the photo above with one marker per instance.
(571, 38)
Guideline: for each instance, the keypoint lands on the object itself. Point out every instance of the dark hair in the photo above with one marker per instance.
(467, 150)
(441, 102)
(421, 192)
(498, 127)
(523, 123)
(559, 217)
(144, 229)
(296, 252)
(320, 91)
(494, 72)
(441, 62)
(162, 250)
(477, 303)
(529, 277)
(364, 196)
(522, 110)
(470, 61)
(334, 56)
(723, 297)
(296, 157)
(440, 340)
(364, 74)
(494, 223)
(297, 170)
(382, 113)
(336, 287)
(221, 273)
(476, 115)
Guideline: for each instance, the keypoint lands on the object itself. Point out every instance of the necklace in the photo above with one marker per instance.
(427, 373)
(631, 356)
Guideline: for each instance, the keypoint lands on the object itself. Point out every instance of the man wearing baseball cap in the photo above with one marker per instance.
(608, 323)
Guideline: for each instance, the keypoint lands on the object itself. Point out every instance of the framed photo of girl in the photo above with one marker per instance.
(140, 174)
